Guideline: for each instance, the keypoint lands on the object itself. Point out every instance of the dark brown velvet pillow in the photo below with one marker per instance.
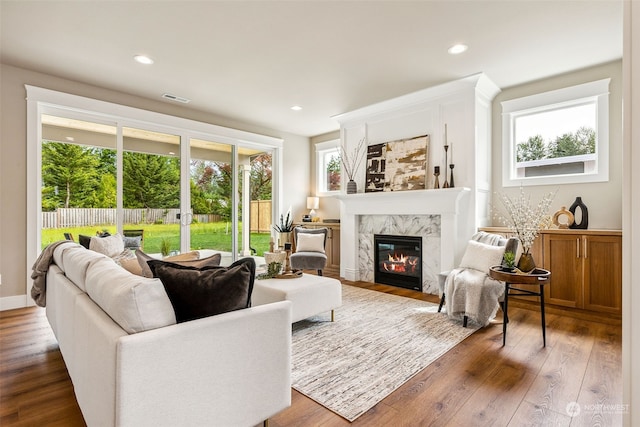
(201, 292)
(182, 259)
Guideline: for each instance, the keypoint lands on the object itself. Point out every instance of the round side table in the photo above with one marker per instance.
(538, 276)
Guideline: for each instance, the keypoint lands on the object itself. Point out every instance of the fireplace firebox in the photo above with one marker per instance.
(398, 261)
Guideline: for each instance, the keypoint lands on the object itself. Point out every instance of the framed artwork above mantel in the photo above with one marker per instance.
(399, 165)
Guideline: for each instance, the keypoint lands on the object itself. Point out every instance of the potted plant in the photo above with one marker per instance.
(284, 228)
(509, 261)
(165, 247)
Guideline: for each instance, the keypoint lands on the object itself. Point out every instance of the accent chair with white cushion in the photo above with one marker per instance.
(470, 291)
(310, 253)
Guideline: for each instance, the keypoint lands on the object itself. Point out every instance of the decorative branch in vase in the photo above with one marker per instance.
(526, 222)
(350, 161)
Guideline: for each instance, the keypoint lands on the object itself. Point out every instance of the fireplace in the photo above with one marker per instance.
(398, 261)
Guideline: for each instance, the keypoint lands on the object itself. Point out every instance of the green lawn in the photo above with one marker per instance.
(203, 236)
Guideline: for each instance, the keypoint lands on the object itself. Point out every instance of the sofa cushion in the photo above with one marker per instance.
(110, 246)
(481, 257)
(76, 261)
(136, 303)
(201, 292)
(189, 259)
(60, 250)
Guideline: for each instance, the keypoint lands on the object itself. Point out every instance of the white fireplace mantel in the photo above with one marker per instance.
(451, 204)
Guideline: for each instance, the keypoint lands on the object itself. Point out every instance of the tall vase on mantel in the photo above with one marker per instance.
(352, 187)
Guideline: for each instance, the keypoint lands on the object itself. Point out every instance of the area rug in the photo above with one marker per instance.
(377, 342)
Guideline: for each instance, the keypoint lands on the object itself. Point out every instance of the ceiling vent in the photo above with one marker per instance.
(175, 98)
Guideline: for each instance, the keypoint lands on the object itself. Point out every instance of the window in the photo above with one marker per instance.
(328, 166)
(557, 137)
(124, 168)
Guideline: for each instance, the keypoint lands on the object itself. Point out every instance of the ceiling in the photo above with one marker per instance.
(252, 60)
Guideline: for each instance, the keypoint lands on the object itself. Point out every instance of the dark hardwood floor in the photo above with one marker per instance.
(477, 383)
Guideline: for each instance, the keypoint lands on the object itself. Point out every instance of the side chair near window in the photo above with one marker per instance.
(310, 253)
(470, 291)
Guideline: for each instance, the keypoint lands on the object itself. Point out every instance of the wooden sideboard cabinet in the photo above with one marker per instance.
(332, 247)
(586, 269)
(585, 266)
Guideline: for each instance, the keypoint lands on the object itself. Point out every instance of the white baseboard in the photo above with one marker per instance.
(16, 301)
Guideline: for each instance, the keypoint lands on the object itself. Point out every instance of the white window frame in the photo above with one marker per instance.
(322, 149)
(597, 91)
(46, 101)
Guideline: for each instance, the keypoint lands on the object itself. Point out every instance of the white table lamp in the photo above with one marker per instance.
(313, 203)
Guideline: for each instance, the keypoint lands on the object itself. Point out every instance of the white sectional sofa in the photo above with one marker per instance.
(132, 365)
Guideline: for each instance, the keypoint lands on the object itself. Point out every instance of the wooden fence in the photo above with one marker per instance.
(80, 217)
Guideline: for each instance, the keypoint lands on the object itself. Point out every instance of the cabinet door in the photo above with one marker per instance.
(335, 246)
(562, 258)
(602, 273)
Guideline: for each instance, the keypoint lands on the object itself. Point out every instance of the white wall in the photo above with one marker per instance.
(15, 268)
(603, 199)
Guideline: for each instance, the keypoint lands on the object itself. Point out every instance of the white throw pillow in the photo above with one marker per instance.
(307, 242)
(136, 303)
(481, 257)
(110, 246)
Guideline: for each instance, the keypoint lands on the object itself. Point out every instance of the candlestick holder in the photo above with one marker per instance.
(436, 173)
(446, 183)
(451, 180)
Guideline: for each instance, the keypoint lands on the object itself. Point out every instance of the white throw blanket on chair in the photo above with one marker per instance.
(474, 294)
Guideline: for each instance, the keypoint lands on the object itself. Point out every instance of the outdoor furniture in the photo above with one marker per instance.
(131, 240)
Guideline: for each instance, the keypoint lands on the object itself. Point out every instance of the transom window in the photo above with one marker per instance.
(557, 137)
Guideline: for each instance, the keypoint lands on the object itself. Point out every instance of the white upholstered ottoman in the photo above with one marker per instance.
(310, 294)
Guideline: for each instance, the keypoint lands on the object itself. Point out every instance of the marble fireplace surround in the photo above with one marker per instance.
(439, 216)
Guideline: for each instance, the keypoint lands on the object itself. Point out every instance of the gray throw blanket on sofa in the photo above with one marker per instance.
(39, 275)
(479, 296)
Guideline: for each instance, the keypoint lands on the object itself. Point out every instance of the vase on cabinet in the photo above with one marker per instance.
(584, 214)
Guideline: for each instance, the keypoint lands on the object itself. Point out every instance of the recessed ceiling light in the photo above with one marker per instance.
(143, 59)
(457, 48)
(296, 108)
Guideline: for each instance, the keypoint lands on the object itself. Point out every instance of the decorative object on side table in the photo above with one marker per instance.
(284, 228)
(351, 162)
(273, 269)
(525, 221)
(288, 273)
(509, 261)
(563, 212)
(584, 214)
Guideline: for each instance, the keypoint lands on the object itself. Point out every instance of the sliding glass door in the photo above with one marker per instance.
(182, 190)
(78, 184)
(151, 189)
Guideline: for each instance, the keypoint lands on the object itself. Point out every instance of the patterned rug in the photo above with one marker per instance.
(377, 342)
